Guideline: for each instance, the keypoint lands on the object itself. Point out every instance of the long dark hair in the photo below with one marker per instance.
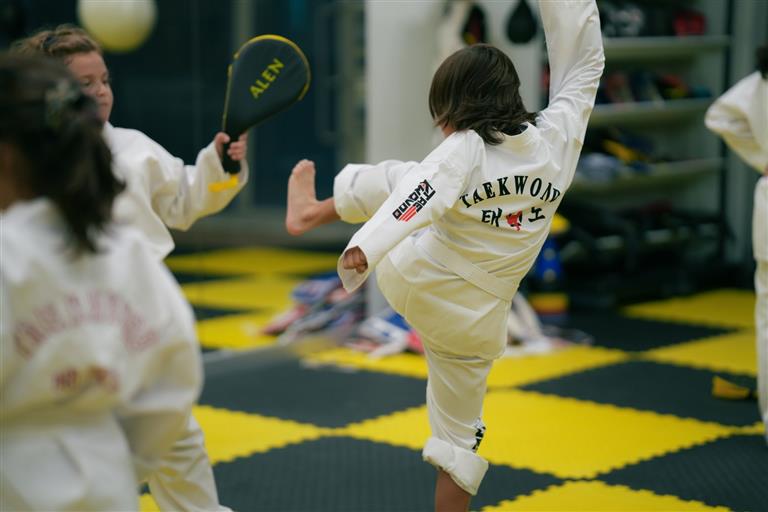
(56, 131)
(477, 88)
(762, 60)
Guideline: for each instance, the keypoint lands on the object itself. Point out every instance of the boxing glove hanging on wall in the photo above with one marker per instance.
(474, 30)
(522, 25)
(450, 31)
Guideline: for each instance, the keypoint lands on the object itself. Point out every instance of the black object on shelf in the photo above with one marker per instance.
(655, 250)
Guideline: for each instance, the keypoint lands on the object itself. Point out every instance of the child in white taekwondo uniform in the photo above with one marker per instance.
(161, 191)
(452, 236)
(740, 117)
(100, 362)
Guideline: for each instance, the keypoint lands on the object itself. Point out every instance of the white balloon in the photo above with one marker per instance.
(119, 25)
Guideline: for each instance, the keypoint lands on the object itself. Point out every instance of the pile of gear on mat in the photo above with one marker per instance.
(322, 306)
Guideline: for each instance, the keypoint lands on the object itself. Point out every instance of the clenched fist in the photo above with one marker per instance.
(354, 258)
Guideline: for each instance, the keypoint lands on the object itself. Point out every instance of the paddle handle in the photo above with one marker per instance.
(231, 166)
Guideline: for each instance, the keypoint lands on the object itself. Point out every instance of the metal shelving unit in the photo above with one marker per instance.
(658, 177)
(675, 125)
(644, 49)
(648, 112)
(666, 213)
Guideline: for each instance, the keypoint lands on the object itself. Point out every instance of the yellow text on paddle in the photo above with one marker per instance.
(269, 75)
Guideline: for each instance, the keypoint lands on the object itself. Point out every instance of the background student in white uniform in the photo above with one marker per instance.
(100, 364)
(161, 192)
(740, 117)
(452, 236)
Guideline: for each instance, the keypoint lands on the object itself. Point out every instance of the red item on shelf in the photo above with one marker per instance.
(690, 23)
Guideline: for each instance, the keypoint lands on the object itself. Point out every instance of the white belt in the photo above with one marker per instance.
(466, 269)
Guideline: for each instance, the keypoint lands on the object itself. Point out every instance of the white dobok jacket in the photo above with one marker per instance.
(161, 191)
(740, 117)
(464, 226)
(99, 364)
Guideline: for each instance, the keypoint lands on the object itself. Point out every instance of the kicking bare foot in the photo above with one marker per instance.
(302, 201)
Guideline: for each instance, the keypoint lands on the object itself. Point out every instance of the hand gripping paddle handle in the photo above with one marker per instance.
(231, 166)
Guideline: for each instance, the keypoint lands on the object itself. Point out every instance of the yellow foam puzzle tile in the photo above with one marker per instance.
(506, 372)
(408, 428)
(256, 292)
(755, 428)
(598, 497)
(236, 332)
(735, 352)
(565, 437)
(719, 308)
(232, 434)
(260, 260)
(408, 365)
(147, 504)
(516, 371)
(578, 439)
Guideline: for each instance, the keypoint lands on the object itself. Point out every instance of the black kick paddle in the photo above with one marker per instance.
(268, 74)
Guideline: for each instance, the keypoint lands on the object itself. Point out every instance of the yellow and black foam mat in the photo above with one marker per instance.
(628, 423)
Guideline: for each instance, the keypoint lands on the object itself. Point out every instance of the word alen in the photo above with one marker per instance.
(269, 75)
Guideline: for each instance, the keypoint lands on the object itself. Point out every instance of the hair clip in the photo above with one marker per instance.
(58, 98)
(48, 42)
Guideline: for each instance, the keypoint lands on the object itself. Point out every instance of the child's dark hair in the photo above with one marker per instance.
(762, 60)
(61, 43)
(477, 88)
(56, 132)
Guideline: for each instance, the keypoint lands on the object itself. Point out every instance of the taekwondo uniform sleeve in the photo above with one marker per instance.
(360, 189)
(423, 195)
(740, 117)
(156, 415)
(178, 194)
(7, 361)
(576, 61)
(181, 193)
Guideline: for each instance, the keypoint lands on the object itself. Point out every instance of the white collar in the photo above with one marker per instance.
(514, 142)
(32, 210)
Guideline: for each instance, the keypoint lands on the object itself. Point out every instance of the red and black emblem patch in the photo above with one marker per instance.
(415, 201)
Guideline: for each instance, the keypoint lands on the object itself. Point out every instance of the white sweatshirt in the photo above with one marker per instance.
(492, 206)
(161, 191)
(100, 365)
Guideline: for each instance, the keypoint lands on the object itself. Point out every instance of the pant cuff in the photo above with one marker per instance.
(466, 468)
(345, 203)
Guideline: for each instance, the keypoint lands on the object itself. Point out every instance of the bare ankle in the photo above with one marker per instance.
(449, 497)
(299, 222)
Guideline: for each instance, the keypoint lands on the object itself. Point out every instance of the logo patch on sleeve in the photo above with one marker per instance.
(415, 201)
